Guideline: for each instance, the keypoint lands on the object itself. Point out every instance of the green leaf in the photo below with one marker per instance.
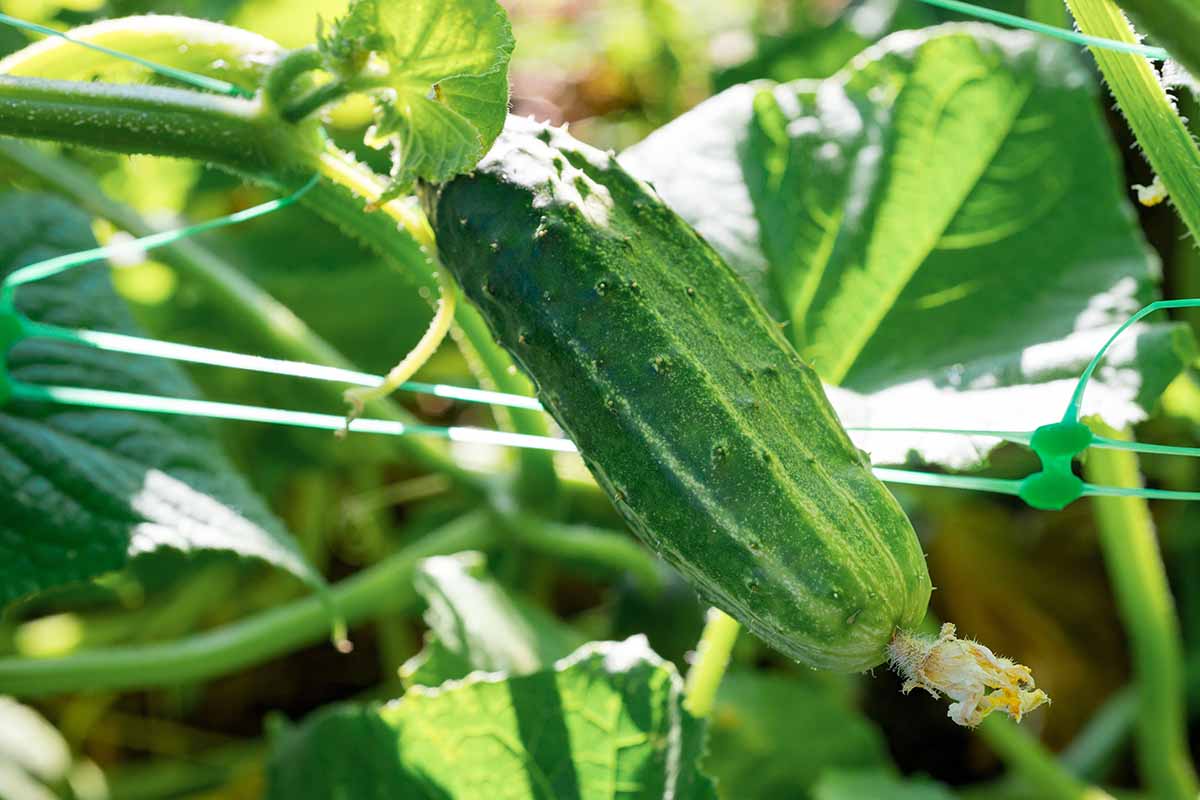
(438, 72)
(476, 625)
(943, 229)
(606, 722)
(857, 785)
(90, 490)
(757, 748)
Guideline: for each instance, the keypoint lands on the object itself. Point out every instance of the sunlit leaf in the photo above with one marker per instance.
(943, 229)
(605, 722)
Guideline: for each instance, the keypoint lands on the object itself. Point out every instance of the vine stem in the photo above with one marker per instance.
(1163, 136)
(1033, 763)
(383, 587)
(1139, 578)
(712, 659)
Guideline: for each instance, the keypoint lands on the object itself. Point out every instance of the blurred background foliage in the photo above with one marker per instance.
(1031, 585)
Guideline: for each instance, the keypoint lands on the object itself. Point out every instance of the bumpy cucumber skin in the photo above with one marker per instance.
(712, 437)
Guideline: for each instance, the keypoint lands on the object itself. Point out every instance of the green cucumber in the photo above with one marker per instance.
(713, 438)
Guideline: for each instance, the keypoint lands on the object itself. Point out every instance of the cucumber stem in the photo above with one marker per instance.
(712, 659)
(1139, 578)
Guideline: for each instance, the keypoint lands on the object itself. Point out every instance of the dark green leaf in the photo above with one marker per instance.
(606, 722)
(475, 625)
(943, 227)
(88, 490)
(441, 91)
(774, 736)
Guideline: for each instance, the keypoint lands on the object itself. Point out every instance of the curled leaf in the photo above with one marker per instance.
(976, 679)
(438, 74)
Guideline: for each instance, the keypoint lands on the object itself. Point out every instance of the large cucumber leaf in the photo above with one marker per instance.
(605, 722)
(86, 491)
(942, 228)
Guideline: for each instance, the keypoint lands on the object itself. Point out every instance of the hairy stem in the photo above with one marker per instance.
(348, 198)
(153, 120)
(1163, 136)
(1135, 566)
(712, 659)
(384, 587)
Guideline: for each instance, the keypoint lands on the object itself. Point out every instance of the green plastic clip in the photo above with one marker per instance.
(1056, 486)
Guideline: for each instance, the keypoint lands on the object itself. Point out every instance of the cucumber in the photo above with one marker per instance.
(713, 438)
